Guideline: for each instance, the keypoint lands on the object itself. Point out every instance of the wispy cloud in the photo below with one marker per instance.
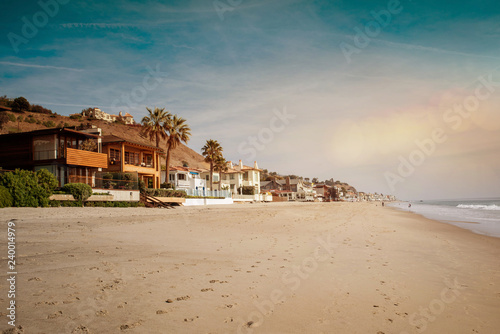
(47, 67)
(407, 46)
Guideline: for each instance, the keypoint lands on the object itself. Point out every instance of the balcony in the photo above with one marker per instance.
(86, 158)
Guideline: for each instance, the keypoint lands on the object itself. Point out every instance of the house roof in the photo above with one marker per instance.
(185, 169)
(51, 131)
(115, 139)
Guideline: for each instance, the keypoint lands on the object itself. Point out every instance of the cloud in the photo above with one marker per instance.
(47, 67)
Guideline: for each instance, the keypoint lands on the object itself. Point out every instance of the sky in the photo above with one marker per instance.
(394, 97)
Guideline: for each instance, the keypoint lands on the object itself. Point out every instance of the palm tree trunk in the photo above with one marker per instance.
(167, 177)
(220, 179)
(211, 174)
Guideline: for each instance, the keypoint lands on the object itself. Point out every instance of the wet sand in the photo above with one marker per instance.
(261, 268)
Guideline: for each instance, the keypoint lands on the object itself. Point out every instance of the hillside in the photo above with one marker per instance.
(132, 133)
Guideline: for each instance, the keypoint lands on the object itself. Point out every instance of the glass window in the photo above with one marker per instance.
(182, 176)
(114, 155)
(45, 147)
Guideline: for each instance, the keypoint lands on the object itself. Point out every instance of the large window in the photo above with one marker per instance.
(181, 177)
(45, 147)
(132, 158)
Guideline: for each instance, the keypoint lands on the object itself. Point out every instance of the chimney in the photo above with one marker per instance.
(255, 166)
(230, 164)
(241, 165)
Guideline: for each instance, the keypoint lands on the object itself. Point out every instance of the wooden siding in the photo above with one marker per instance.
(140, 170)
(86, 158)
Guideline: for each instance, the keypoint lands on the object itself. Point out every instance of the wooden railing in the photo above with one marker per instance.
(86, 158)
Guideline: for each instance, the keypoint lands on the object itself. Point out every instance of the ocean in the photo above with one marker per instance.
(478, 215)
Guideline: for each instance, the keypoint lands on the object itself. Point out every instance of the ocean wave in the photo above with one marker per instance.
(479, 207)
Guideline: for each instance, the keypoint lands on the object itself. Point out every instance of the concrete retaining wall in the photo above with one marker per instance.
(207, 201)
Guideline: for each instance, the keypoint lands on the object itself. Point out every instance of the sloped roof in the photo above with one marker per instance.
(115, 139)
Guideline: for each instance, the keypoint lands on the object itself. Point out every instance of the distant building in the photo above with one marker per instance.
(99, 114)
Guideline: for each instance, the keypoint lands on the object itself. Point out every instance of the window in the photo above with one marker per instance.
(181, 177)
(245, 177)
(231, 176)
(148, 160)
(132, 158)
(171, 177)
(114, 155)
(45, 147)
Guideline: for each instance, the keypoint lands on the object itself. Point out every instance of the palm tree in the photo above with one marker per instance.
(152, 125)
(178, 131)
(220, 165)
(211, 151)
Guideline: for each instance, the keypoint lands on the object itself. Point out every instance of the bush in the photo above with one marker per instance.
(80, 191)
(12, 117)
(28, 188)
(165, 193)
(49, 124)
(167, 185)
(247, 190)
(107, 180)
(5, 198)
(96, 204)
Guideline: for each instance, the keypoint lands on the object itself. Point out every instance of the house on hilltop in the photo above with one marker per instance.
(99, 114)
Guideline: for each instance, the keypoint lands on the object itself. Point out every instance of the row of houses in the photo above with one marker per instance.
(84, 155)
(67, 154)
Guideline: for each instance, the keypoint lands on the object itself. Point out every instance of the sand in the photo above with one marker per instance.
(249, 268)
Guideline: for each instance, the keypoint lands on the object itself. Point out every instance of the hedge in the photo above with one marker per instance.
(165, 192)
(28, 188)
(5, 198)
(96, 204)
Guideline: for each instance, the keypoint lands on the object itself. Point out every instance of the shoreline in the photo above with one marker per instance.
(276, 267)
(451, 222)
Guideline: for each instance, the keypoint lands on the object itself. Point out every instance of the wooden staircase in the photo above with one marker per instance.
(153, 202)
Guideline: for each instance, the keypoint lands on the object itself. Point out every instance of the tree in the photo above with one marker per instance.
(211, 151)
(153, 124)
(315, 180)
(220, 165)
(20, 104)
(89, 145)
(39, 109)
(4, 118)
(178, 131)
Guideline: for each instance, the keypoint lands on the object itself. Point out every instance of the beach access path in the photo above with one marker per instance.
(248, 268)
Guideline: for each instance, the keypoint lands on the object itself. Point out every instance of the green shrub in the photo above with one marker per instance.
(80, 191)
(28, 188)
(167, 185)
(107, 180)
(12, 117)
(96, 204)
(5, 198)
(165, 192)
(49, 124)
(247, 190)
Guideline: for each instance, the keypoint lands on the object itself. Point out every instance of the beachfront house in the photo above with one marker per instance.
(239, 176)
(126, 156)
(185, 178)
(72, 156)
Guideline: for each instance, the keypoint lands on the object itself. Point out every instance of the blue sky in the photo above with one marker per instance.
(229, 71)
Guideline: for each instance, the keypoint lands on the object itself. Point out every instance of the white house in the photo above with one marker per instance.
(185, 178)
(241, 175)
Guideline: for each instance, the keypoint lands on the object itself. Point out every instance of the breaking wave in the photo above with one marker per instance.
(479, 207)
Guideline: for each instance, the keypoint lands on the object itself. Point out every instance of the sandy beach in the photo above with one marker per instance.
(249, 268)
